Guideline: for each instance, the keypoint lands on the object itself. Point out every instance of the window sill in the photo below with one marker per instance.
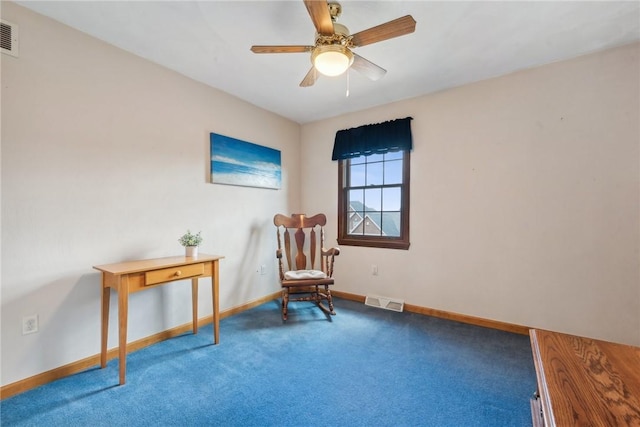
(374, 243)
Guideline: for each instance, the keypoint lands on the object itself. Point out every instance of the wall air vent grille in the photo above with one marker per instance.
(9, 38)
(384, 302)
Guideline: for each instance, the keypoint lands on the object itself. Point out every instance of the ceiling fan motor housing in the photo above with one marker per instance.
(340, 29)
(340, 36)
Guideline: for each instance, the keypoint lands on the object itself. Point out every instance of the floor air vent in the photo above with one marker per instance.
(384, 302)
(9, 38)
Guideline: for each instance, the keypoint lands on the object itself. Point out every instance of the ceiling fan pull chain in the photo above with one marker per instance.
(347, 95)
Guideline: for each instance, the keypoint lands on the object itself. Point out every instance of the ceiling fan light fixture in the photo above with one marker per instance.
(332, 60)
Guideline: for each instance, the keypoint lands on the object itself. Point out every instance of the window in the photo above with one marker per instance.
(373, 203)
(373, 184)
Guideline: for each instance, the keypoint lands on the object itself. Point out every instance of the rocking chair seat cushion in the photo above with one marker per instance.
(304, 274)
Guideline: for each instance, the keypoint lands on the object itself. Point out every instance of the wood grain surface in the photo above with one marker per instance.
(586, 382)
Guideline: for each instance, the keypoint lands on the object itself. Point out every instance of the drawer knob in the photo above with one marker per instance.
(178, 273)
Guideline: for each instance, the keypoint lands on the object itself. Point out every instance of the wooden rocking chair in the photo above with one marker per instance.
(309, 270)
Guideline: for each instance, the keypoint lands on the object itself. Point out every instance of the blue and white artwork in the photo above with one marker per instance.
(236, 162)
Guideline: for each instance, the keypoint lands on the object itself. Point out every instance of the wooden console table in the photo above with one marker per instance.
(584, 382)
(133, 276)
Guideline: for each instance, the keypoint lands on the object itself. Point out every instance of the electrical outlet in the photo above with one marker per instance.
(263, 270)
(374, 269)
(30, 324)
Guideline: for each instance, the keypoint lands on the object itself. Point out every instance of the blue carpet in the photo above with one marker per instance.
(364, 367)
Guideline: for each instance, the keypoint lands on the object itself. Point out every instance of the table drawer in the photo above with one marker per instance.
(174, 273)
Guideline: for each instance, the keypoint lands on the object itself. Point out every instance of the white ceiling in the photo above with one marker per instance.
(455, 42)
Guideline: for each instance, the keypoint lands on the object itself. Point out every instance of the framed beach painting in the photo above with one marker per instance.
(236, 162)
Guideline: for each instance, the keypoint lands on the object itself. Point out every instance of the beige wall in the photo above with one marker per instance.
(105, 157)
(524, 199)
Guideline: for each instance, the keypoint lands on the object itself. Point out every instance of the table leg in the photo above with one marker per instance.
(216, 305)
(106, 295)
(194, 303)
(123, 309)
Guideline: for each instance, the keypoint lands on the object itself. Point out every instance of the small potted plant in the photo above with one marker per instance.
(191, 242)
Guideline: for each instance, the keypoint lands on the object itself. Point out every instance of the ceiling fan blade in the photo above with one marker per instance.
(397, 27)
(310, 78)
(281, 49)
(319, 12)
(367, 68)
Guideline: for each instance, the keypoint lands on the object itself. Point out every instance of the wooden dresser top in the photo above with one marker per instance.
(586, 382)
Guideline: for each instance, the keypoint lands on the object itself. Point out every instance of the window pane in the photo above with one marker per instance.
(391, 224)
(374, 173)
(356, 200)
(393, 172)
(373, 199)
(374, 158)
(391, 198)
(371, 227)
(355, 224)
(357, 175)
(355, 212)
(393, 156)
(358, 160)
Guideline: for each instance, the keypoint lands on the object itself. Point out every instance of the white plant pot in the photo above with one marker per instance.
(191, 251)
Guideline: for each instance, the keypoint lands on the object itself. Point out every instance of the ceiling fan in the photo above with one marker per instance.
(332, 53)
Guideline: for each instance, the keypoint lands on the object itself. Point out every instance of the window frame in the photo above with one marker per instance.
(388, 242)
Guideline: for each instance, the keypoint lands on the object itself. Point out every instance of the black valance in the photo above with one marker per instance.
(380, 138)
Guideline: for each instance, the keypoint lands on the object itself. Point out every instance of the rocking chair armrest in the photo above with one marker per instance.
(331, 252)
